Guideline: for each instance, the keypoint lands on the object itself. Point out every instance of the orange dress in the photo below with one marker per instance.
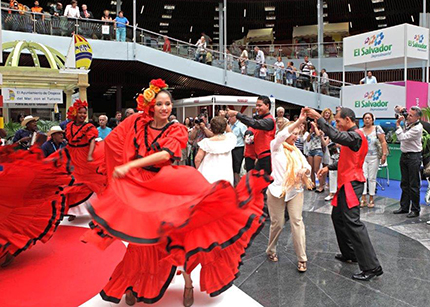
(171, 215)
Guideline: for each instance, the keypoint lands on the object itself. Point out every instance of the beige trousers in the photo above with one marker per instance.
(276, 208)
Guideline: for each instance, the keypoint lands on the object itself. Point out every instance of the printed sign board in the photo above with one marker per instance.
(379, 99)
(32, 96)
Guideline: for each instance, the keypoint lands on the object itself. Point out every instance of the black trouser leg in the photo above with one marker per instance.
(343, 241)
(405, 199)
(414, 163)
(357, 231)
(264, 164)
(249, 164)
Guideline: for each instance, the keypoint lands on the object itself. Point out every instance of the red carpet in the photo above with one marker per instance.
(63, 272)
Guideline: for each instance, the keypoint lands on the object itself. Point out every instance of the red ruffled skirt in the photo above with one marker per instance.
(176, 218)
(34, 196)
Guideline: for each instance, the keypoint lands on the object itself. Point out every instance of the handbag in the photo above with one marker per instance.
(378, 146)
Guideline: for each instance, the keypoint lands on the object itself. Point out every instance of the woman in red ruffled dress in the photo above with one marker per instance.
(86, 156)
(170, 215)
(36, 192)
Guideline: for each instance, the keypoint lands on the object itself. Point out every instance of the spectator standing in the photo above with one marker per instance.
(301, 138)
(263, 72)
(201, 50)
(72, 10)
(315, 153)
(209, 58)
(56, 142)
(113, 122)
(102, 128)
(369, 79)
(166, 45)
(121, 24)
(238, 130)
(279, 70)
(291, 74)
(128, 112)
(36, 8)
(198, 133)
(229, 60)
(260, 60)
(57, 10)
(325, 82)
(214, 159)
(374, 135)
(243, 61)
(108, 21)
(208, 40)
(264, 131)
(410, 161)
(306, 67)
(85, 13)
(280, 112)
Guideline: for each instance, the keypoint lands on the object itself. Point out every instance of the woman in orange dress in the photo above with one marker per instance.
(170, 215)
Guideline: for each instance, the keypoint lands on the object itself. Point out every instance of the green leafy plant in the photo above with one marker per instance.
(45, 125)
(11, 128)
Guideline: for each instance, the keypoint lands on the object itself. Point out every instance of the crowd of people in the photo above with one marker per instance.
(259, 166)
(71, 12)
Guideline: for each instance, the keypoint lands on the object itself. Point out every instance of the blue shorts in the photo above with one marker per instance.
(315, 152)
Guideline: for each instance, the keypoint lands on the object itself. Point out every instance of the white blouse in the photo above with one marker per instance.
(279, 162)
(218, 163)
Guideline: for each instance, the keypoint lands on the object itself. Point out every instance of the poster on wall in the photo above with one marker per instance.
(379, 99)
(31, 96)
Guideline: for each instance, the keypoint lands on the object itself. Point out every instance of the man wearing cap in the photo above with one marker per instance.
(56, 141)
(24, 137)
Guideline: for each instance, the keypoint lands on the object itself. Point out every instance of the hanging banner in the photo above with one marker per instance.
(386, 44)
(379, 99)
(31, 96)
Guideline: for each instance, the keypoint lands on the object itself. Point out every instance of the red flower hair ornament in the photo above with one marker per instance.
(72, 112)
(146, 101)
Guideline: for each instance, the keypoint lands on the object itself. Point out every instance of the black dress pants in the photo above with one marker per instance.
(411, 181)
(351, 233)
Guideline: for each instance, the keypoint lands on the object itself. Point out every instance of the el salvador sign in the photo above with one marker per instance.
(379, 99)
(387, 44)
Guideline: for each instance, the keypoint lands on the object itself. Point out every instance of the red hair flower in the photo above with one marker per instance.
(146, 101)
(72, 112)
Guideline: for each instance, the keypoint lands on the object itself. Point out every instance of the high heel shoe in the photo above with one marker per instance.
(188, 297)
(371, 204)
(363, 203)
(129, 298)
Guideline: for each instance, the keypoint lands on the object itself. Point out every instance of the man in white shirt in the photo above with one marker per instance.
(306, 68)
(410, 161)
(259, 59)
(369, 79)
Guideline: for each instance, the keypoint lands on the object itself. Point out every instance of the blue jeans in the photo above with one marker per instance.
(120, 34)
(257, 70)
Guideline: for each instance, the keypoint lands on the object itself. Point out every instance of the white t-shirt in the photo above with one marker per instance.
(279, 65)
(263, 71)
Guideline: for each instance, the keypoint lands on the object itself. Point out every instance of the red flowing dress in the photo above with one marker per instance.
(89, 174)
(34, 196)
(171, 215)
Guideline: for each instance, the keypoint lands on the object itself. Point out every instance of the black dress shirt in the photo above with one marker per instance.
(260, 123)
(350, 138)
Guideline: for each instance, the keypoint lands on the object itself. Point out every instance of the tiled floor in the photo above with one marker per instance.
(401, 244)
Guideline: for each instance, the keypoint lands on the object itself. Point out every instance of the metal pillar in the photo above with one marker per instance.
(225, 41)
(118, 6)
(134, 28)
(118, 98)
(320, 47)
(221, 28)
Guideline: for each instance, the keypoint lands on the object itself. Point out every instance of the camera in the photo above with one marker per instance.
(400, 111)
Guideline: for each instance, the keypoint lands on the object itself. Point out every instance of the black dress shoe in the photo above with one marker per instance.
(413, 214)
(400, 211)
(340, 257)
(368, 275)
